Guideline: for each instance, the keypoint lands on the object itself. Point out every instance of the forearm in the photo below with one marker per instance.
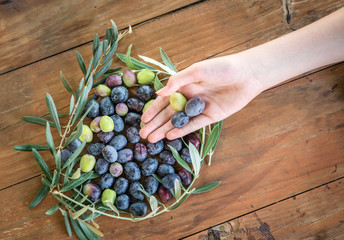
(318, 44)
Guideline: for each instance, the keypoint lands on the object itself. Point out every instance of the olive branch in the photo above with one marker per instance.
(78, 211)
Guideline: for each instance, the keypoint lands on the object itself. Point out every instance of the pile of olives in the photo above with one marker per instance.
(117, 153)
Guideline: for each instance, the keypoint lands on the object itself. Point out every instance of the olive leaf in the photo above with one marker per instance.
(137, 63)
(75, 135)
(112, 207)
(37, 120)
(180, 202)
(128, 59)
(108, 35)
(179, 159)
(162, 66)
(39, 197)
(81, 63)
(101, 81)
(58, 161)
(81, 85)
(53, 210)
(153, 202)
(195, 159)
(76, 174)
(114, 30)
(50, 139)
(157, 178)
(157, 84)
(167, 61)
(219, 124)
(105, 45)
(97, 55)
(53, 111)
(103, 69)
(75, 154)
(29, 147)
(211, 141)
(71, 105)
(59, 115)
(41, 163)
(90, 231)
(207, 187)
(177, 189)
(95, 43)
(85, 114)
(82, 102)
(66, 84)
(66, 220)
(78, 213)
(111, 52)
(45, 181)
(89, 70)
(54, 179)
(78, 231)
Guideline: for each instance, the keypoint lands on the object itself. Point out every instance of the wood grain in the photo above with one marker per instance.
(236, 25)
(36, 29)
(286, 141)
(317, 214)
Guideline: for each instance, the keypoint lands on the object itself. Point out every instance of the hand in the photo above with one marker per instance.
(226, 84)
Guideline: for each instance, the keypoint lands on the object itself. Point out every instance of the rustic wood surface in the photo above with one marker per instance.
(288, 140)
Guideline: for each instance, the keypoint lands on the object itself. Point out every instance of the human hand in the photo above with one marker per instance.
(226, 84)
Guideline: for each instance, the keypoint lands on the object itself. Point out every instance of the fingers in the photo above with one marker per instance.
(159, 120)
(194, 124)
(160, 133)
(157, 106)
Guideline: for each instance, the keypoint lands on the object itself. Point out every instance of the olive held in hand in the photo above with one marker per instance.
(129, 78)
(168, 180)
(118, 123)
(132, 171)
(145, 93)
(87, 162)
(138, 209)
(108, 195)
(116, 169)
(102, 166)
(118, 142)
(92, 191)
(86, 134)
(94, 112)
(95, 124)
(133, 135)
(145, 76)
(132, 119)
(151, 185)
(95, 148)
(121, 185)
(119, 94)
(155, 148)
(105, 137)
(121, 109)
(149, 166)
(113, 81)
(177, 101)
(135, 192)
(107, 107)
(176, 144)
(147, 105)
(106, 124)
(110, 153)
(194, 106)
(140, 152)
(185, 175)
(123, 201)
(125, 155)
(165, 169)
(102, 90)
(180, 119)
(106, 181)
(164, 194)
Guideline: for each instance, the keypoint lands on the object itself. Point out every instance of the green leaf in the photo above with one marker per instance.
(103, 69)
(89, 70)
(70, 169)
(75, 154)
(37, 120)
(162, 66)
(180, 202)
(29, 147)
(53, 112)
(66, 84)
(137, 63)
(211, 140)
(108, 35)
(41, 163)
(97, 55)
(195, 159)
(81, 63)
(74, 135)
(59, 115)
(45, 181)
(105, 45)
(67, 224)
(114, 30)
(71, 105)
(207, 187)
(110, 53)
(177, 189)
(53, 210)
(82, 102)
(219, 133)
(50, 139)
(58, 161)
(157, 178)
(77, 182)
(101, 81)
(85, 114)
(95, 43)
(179, 159)
(81, 85)
(91, 232)
(157, 84)
(128, 59)
(78, 213)
(112, 207)
(113, 70)
(54, 179)
(39, 197)
(166, 60)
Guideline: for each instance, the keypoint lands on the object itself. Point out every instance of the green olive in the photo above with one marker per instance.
(145, 76)
(86, 134)
(87, 162)
(106, 124)
(178, 101)
(147, 105)
(109, 195)
(103, 90)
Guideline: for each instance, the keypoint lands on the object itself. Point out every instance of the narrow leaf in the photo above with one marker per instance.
(45, 181)
(78, 213)
(105, 45)
(162, 66)
(211, 140)
(180, 202)
(89, 70)
(54, 179)
(179, 159)
(41, 163)
(81, 63)
(153, 202)
(103, 69)
(29, 147)
(114, 30)
(110, 205)
(85, 114)
(108, 35)
(76, 174)
(71, 105)
(195, 159)
(78, 231)
(157, 178)
(95, 43)
(39, 197)
(74, 135)
(37, 120)
(53, 111)
(90, 231)
(128, 59)
(207, 187)
(177, 189)
(77, 182)
(68, 228)
(157, 84)
(113, 70)
(50, 139)
(101, 81)
(81, 85)
(110, 53)
(97, 55)
(219, 133)
(53, 210)
(75, 154)
(66, 84)
(167, 61)
(59, 115)
(137, 63)
(58, 161)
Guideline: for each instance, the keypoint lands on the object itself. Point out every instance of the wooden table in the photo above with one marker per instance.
(280, 159)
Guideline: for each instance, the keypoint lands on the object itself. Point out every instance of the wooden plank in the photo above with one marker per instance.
(317, 214)
(286, 141)
(236, 25)
(36, 29)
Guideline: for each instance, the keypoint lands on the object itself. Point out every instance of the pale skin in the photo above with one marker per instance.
(229, 83)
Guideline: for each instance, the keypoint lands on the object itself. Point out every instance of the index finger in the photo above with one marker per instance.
(157, 106)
